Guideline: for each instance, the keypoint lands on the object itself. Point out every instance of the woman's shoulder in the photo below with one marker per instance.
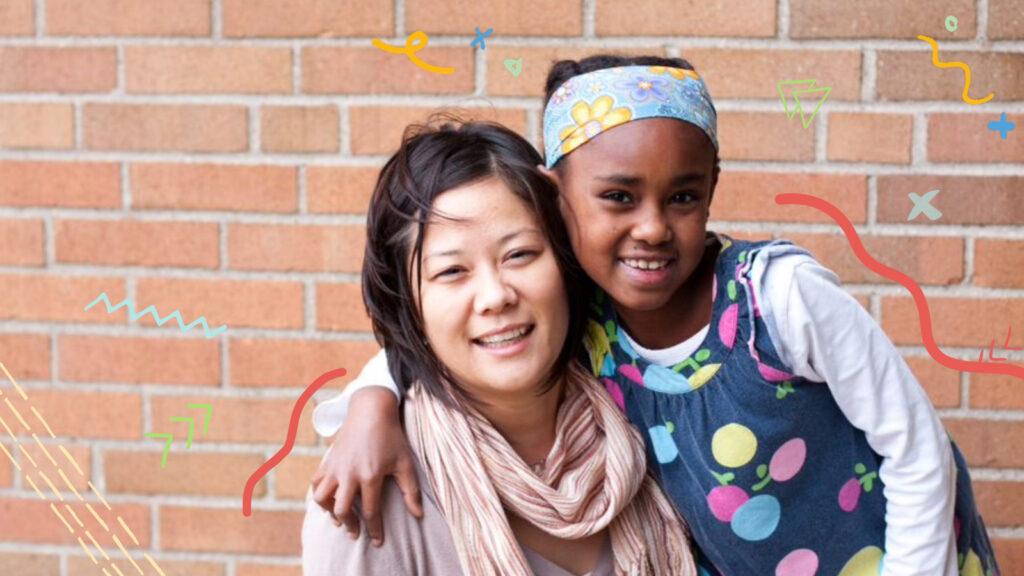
(411, 545)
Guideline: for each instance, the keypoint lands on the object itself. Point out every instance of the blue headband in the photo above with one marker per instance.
(591, 103)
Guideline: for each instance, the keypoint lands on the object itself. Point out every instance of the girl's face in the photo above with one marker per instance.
(636, 201)
(493, 299)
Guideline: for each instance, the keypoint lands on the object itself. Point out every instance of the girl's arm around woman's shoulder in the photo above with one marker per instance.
(824, 334)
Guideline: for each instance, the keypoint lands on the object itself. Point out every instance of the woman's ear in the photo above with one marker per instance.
(550, 174)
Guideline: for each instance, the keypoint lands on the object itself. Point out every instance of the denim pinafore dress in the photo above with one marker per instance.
(767, 471)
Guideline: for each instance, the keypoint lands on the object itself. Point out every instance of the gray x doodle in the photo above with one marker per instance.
(922, 205)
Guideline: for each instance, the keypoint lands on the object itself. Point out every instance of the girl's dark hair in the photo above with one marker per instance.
(562, 70)
(432, 160)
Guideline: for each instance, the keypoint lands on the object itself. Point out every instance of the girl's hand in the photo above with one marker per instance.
(370, 446)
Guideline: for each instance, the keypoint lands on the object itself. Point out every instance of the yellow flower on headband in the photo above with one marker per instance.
(591, 120)
(677, 73)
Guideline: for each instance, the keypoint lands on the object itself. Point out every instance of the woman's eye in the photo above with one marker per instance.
(448, 272)
(617, 196)
(522, 254)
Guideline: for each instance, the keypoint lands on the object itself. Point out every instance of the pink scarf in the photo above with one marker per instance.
(595, 477)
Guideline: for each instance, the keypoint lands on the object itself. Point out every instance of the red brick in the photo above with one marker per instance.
(377, 130)
(79, 415)
(294, 475)
(246, 420)
(926, 259)
(225, 530)
(299, 129)
(941, 383)
(1009, 554)
(82, 456)
(30, 564)
(249, 569)
(1005, 22)
(182, 361)
(60, 184)
(907, 75)
(82, 566)
(1001, 503)
(17, 18)
(165, 127)
(26, 356)
(134, 243)
(57, 298)
(214, 187)
(208, 69)
(998, 263)
(340, 189)
(751, 196)
(22, 241)
(955, 321)
(296, 248)
(541, 18)
(966, 138)
(258, 362)
(741, 73)
(764, 136)
(884, 138)
(277, 18)
(46, 69)
(754, 18)
(128, 18)
(879, 19)
(32, 125)
(340, 307)
(236, 303)
(369, 70)
(6, 474)
(989, 443)
(997, 391)
(962, 199)
(193, 473)
(536, 62)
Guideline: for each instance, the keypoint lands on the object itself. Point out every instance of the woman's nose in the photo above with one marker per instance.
(493, 293)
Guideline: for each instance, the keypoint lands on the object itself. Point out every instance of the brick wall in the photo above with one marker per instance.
(216, 156)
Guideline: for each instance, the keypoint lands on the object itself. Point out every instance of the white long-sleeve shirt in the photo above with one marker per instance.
(823, 334)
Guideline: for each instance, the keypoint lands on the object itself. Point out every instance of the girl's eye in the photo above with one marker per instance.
(618, 196)
(683, 198)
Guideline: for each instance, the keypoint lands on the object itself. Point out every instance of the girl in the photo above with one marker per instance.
(781, 421)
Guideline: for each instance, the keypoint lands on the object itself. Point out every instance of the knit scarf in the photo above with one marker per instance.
(595, 477)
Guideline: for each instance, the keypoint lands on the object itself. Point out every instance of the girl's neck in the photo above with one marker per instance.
(685, 314)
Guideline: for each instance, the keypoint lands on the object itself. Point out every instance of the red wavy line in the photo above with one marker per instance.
(293, 427)
(907, 282)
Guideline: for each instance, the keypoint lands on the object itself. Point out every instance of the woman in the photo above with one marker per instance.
(527, 466)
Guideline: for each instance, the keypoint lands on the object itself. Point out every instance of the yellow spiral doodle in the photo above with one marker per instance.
(960, 65)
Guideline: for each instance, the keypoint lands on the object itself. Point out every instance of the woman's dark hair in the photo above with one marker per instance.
(562, 70)
(432, 160)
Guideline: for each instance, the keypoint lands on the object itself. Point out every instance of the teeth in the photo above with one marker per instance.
(645, 264)
(503, 337)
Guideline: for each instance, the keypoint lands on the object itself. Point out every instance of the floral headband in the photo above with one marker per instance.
(591, 103)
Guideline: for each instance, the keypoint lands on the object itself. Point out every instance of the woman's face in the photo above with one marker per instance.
(636, 201)
(493, 299)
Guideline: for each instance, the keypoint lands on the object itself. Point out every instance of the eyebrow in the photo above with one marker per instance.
(504, 239)
(633, 180)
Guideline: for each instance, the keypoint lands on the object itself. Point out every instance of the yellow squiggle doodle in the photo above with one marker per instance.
(960, 65)
(413, 44)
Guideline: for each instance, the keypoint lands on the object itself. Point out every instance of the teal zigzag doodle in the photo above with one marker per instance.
(152, 311)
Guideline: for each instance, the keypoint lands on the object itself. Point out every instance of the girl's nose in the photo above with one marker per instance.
(651, 228)
(493, 293)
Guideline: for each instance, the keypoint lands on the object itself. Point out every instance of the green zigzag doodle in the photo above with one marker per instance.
(169, 438)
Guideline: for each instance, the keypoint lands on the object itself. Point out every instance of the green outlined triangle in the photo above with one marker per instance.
(799, 87)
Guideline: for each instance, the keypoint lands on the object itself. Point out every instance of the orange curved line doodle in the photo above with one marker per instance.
(293, 427)
(414, 43)
(906, 281)
(967, 71)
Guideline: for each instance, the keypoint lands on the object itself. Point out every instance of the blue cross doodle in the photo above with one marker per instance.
(922, 205)
(480, 38)
(1002, 126)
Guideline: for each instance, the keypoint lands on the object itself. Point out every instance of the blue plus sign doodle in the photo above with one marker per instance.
(1002, 126)
(480, 38)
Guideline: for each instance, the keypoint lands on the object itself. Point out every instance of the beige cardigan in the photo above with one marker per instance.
(411, 547)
